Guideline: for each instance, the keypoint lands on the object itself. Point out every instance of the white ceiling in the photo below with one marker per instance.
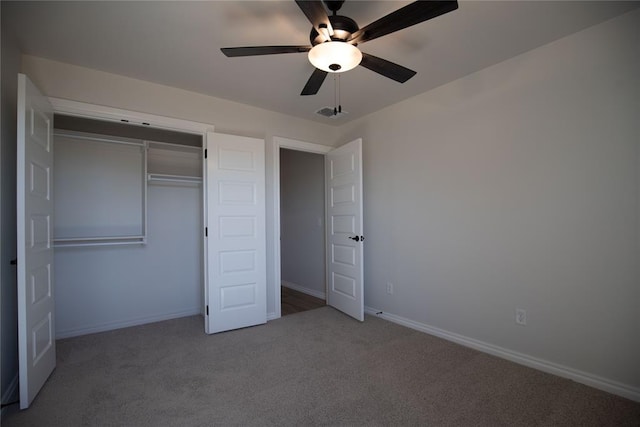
(178, 43)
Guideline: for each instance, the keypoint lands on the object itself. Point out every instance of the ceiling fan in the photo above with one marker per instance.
(334, 39)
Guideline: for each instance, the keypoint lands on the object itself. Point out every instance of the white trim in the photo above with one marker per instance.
(300, 288)
(207, 139)
(582, 377)
(109, 326)
(272, 316)
(293, 144)
(100, 112)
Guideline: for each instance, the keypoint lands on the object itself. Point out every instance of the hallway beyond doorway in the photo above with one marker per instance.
(293, 301)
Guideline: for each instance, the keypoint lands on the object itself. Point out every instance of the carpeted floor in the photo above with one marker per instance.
(319, 367)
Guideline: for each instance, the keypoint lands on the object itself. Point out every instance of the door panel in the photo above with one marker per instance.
(36, 340)
(344, 218)
(236, 246)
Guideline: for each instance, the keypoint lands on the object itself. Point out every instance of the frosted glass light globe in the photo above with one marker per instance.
(335, 57)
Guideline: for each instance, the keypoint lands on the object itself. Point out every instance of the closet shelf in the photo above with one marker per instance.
(173, 147)
(180, 179)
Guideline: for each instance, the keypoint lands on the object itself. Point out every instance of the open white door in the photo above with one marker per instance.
(343, 175)
(236, 276)
(36, 331)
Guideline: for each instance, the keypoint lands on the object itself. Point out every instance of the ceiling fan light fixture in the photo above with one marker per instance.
(335, 56)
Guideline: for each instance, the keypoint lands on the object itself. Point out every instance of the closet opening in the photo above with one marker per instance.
(302, 231)
(127, 225)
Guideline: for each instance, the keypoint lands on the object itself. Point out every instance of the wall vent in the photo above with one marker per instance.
(328, 112)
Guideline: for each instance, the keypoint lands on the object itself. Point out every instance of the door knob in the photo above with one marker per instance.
(357, 238)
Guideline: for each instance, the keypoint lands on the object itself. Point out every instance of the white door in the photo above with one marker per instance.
(235, 292)
(343, 174)
(36, 331)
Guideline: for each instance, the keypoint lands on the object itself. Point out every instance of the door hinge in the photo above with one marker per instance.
(207, 310)
(205, 153)
(206, 232)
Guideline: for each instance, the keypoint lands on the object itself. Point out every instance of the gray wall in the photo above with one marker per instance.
(302, 220)
(101, 288)
(8, 295)
(517, 187)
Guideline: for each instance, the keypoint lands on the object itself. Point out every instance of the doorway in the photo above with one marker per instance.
(302, 231)
(344, 263)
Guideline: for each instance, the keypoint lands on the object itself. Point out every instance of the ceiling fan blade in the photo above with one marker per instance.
(386, 68)
(263, 50)
(315, 81)
(412, 14)
(316, 14)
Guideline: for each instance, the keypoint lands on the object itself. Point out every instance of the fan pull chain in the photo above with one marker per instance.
(335, 94)
(337, 104)
(339, 101)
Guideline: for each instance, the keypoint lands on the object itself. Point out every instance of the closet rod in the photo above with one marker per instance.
(92, 137)
(99, 241)
(96, 238)
(173, 178)
(112, 243)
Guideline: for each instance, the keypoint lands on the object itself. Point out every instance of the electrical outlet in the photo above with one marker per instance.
(389, 288)
(521, 316)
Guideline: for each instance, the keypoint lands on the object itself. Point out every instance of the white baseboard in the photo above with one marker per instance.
(109, 326)
(586, 378)
(10, 394)
(272, 316)
(299, 288)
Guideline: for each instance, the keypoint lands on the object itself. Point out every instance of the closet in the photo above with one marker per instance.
(128, 224)
(123, 224)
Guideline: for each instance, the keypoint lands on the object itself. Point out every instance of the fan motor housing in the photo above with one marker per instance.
(343, 28)
(333, 5)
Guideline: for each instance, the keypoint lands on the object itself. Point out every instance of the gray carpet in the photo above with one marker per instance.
(313, 368)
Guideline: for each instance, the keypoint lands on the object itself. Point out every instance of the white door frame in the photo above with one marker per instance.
(119, 115)
(99, 112)
(291, 144)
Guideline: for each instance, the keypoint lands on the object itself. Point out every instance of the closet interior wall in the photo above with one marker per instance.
(109, 281)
